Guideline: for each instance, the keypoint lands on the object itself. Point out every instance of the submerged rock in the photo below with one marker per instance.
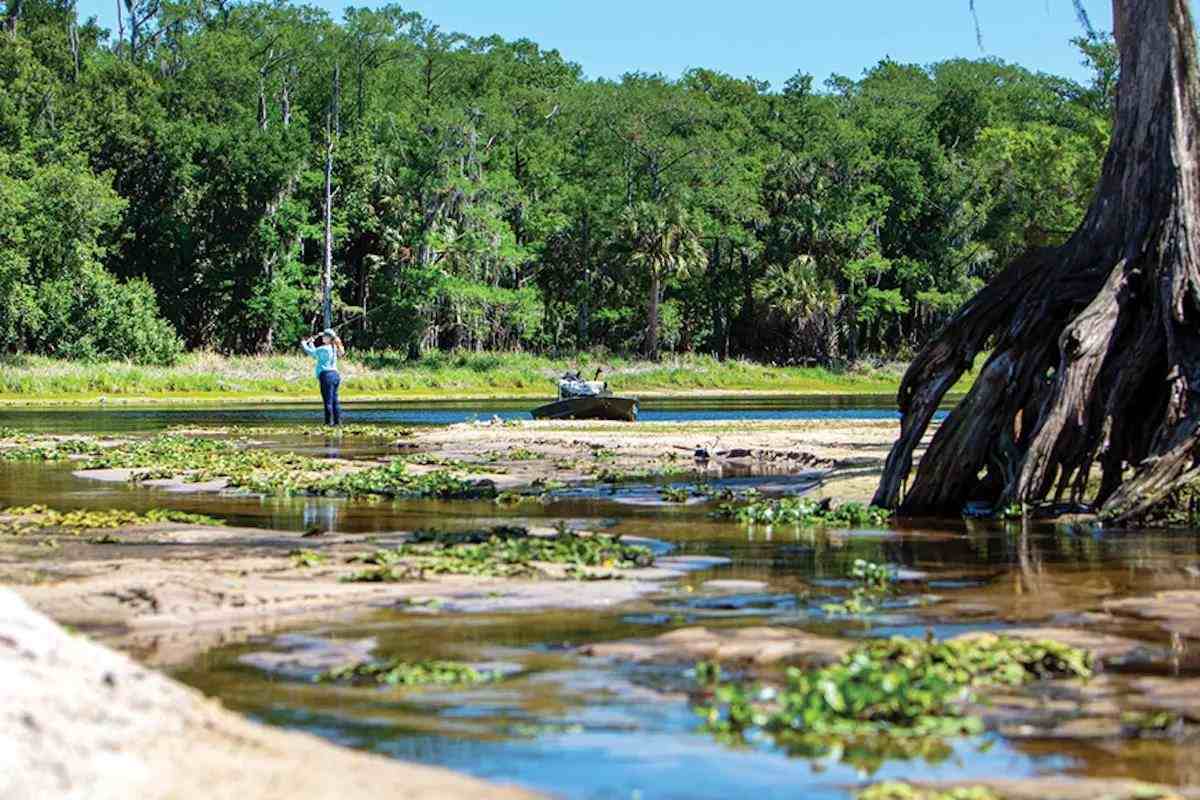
(757, 645)
(1175, 611)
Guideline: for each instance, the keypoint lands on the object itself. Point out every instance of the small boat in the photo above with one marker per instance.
(623, 409)
(580, 399)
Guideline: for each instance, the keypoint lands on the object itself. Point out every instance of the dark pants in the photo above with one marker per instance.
(330, 381)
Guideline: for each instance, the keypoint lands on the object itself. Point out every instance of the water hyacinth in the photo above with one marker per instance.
(507, 553)
(260, 470)
(889, 698)
(803, 511)
(397, 672)
(26, 519)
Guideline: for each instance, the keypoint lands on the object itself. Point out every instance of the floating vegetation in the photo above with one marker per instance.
(305, 557)
(354, 430)
(507, 553)
(803, 511)
(874, 583)
(264, 471)
(395, 672)
(519, 498)
(27, 519)
(896, 790)
(674, 494)
(401, 573)
(395, 480)
(888, 698)
(608, 474)
(513, 454)
(29, 447)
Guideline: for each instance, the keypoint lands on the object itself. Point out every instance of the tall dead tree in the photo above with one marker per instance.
(332, 129)
(1095, 345)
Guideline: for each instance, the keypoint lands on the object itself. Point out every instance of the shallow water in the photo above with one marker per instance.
(580, 727)
(135, 418)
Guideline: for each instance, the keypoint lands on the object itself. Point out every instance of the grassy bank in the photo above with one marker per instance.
(203, 377)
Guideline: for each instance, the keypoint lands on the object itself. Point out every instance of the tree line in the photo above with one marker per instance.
(164, 186)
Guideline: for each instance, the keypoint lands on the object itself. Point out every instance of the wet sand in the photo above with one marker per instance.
(169, 592)
(80, 720)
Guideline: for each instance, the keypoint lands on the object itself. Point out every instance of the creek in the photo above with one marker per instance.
(581, 727)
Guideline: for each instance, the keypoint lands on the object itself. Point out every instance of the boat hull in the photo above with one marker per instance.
(622, 409)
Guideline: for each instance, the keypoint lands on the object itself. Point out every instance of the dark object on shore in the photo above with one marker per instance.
(580, 399)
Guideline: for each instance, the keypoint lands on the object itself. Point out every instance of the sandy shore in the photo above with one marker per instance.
(82, 721)
(169, 592)
(844, 456)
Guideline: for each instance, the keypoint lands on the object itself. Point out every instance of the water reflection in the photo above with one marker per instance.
(582, 728)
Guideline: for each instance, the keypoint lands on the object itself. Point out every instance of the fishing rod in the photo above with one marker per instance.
(358, 318)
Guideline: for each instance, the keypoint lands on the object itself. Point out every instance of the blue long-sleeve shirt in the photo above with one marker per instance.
(325, 355)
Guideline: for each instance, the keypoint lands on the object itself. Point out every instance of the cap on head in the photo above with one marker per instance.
(328, 333)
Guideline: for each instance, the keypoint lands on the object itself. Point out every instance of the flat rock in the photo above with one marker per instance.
(1179, 695)
(733, 586)
(1176, 611)
(1076, 729)
(756, 645)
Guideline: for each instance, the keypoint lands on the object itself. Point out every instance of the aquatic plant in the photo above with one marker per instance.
(353, 430)
(609, 474)
(400, 573)
(898, 697)
(803, 511)
(26, 519)
(898, 790)
(304, 557)
(674, 494)
(31, 447)
(395, 480)
(396, 672)
(874, 583)
(262, 470)
(518, 498)
(507, 553)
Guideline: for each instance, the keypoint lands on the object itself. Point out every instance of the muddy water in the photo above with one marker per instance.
(585, 728)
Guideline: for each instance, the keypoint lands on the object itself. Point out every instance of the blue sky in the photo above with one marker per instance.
(767, 39)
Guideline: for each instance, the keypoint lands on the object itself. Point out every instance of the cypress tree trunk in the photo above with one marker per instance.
(1095, 344)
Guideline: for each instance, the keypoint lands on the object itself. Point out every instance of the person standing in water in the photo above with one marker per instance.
(326, 348)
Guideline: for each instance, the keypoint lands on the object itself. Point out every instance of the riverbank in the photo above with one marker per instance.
(208, 377)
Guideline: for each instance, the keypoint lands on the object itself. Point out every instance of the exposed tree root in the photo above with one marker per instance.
(1095, 344)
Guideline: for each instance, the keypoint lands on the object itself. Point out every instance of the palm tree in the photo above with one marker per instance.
(663, 240)
(806, 303)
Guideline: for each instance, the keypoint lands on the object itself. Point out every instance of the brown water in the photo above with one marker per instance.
(584, 728)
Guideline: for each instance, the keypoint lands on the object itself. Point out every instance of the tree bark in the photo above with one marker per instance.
(1095, 345)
